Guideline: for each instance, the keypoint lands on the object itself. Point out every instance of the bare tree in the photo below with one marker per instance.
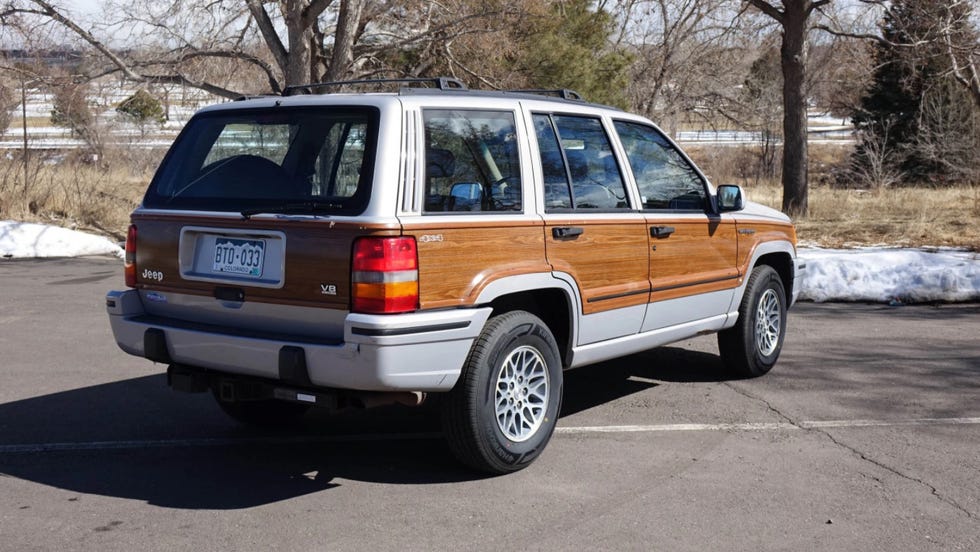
(225, 47)
(877, 167)
(689, 57)
(794, 20)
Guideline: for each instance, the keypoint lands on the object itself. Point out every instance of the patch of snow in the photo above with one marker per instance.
(26, 240)
(890, 275)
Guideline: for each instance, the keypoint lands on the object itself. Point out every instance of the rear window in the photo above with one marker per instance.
(471, 161)
(270, 158)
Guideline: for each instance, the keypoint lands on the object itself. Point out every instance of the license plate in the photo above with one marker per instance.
(241, 257)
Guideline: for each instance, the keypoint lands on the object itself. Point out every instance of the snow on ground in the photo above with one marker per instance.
(23, 239)
(872, 274)
(890, 275)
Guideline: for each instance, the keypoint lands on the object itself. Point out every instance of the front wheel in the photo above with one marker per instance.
(502, 411)
(750, 348)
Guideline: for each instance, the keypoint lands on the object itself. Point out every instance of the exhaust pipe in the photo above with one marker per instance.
(369, 399)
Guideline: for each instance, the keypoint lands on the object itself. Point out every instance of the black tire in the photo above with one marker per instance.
(264, 413)
(751, 347)
(512, 345)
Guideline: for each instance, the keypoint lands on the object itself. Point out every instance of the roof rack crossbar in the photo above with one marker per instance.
(442, 83)
(562, 93)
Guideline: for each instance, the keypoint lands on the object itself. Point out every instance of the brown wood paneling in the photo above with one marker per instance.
(457, 260)
(608, 260)
(756, 233)
(699, 257)
(317, 252)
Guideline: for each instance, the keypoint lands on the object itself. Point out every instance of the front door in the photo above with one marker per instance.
(693, 273)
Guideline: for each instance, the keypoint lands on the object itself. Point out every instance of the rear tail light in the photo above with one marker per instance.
(130, 262)
(385, 275)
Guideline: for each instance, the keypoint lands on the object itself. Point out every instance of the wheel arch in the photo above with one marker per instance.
(550, 299)
(780, 256)
(782, 263)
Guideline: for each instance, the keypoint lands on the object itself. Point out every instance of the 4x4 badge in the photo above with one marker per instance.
(328, 289)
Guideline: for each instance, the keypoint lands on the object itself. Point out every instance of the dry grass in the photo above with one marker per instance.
(68, 193)
(913, 217)
(906, 216)
(73, 194)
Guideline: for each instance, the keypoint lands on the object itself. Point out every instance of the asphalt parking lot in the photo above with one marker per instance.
(866, 436)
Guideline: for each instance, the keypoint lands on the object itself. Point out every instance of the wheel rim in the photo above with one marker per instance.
(768, 321)
(521, 396)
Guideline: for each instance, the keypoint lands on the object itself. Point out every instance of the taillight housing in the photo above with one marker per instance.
(385, 275)
(130, 261)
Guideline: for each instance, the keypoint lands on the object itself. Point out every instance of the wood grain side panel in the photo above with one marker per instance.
(755, 233)
(699, 257)
(458, 260)
(609, 261)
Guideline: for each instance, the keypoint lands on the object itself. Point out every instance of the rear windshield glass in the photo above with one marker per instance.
(273, 159)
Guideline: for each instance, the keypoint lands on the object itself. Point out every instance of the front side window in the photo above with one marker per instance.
(472, 162)
(665, 179)
(578, 165)
(270, 158)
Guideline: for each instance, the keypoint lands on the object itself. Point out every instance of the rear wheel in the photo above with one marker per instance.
(502, 411)
(262, 413)
(751, 347)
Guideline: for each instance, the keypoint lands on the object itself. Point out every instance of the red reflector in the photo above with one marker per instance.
(385, 275)
(130, 262)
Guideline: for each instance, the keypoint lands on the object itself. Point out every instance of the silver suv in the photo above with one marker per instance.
(345, 249)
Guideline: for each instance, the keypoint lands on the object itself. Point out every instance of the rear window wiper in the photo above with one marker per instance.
(292, 208)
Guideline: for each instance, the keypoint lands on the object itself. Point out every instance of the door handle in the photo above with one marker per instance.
(567, 232)
(661, 231)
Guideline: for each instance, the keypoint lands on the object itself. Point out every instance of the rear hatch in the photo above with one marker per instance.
(247, 225)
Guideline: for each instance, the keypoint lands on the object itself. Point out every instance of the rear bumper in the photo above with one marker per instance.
(406, 352)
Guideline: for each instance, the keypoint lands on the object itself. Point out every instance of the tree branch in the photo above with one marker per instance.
(269, 33)
(48, 10)
(768, 9)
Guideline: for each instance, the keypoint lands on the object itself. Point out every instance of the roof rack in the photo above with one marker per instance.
(562, 93)
(442, 83)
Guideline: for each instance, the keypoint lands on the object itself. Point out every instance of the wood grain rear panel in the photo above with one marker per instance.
(316, 253)
(457, 259)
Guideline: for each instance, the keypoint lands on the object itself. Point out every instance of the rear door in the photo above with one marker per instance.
(693, 270)
(592, 233)
(473, 228)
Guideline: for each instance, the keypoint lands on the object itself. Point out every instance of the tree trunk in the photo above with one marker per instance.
(793, 59)
(300, 39)
(348, 20)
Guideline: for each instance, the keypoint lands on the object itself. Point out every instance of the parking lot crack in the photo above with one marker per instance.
(935, 492)
(864, 457)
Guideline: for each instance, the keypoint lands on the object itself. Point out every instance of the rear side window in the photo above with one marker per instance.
(234, 161)
(472, 162)
(665, 179)
(578, 165)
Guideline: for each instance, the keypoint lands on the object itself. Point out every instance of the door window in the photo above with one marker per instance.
(472, 161)
(578, 165)
(665, 179)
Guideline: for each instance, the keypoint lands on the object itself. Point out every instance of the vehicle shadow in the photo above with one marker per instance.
(591, 386)
(137, 439)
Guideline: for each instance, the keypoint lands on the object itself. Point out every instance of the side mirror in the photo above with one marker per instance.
(730, 198)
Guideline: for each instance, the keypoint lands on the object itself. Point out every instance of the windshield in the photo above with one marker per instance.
(269, 158)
